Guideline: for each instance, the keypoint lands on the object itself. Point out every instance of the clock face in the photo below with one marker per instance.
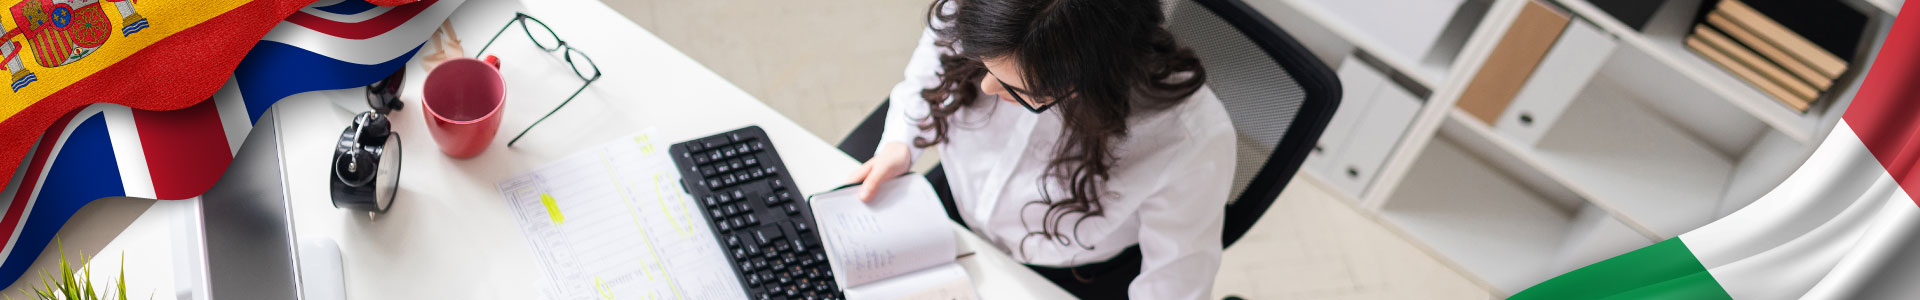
(387, 178)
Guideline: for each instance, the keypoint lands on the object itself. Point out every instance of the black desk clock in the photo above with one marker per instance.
(366, 165)
(366, 160)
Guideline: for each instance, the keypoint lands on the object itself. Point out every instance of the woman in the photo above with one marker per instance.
(1075, 135)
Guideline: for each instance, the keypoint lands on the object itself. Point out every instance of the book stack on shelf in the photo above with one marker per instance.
(1792, 50)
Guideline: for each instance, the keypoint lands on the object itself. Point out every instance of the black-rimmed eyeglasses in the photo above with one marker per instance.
(1016, 96)
(547, 40)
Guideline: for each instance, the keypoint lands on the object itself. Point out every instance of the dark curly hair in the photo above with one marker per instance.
(1101, 60)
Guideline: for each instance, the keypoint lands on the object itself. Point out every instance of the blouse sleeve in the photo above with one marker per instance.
(1181, 219)
(905, 107)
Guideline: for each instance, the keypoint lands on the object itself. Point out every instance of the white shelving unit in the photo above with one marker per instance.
(1659, 142)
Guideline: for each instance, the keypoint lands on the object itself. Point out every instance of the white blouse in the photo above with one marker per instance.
(1167, 192)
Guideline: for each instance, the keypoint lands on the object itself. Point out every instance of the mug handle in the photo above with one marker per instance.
(493, 60)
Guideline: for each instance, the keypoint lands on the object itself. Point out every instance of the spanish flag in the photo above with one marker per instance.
(58, 56)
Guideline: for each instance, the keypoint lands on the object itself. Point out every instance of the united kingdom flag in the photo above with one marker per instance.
(108, 150)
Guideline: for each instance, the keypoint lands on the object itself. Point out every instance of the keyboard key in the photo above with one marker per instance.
(713, 156)
(801, 226)
(772, 201)
(751, 220)
(738, 223)
(708, 171)
(766, 235)
(758, 145)
(742, 148)
(734, 137)
(720, 168)
(739, 254)
(742, 206)
(737, 194)
(713, 183)
(710, 201)
(730, 211)
(717, 214)
(746, 266)
(733, 241)
(751, 161)
(736, 164)
(724, 226)
(758, 173)
(715, 141)
(793, 209)
(728, 152)
(727, 180)
(777, 184)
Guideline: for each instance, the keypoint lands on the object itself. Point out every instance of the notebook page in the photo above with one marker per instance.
(946, 282)
(612, 222)
(903, 230)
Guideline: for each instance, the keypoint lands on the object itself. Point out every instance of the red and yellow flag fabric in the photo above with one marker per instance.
(155, 55)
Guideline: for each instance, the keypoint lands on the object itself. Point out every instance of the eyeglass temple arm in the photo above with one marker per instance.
(576, 94)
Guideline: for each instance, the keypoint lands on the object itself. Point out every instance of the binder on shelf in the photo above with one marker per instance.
(1513, 60)
(1576, 58)
(1834, 26)
(1792, 50)
(1800, 69)
(1767, 70)
(1799, 47)
(1698, 46)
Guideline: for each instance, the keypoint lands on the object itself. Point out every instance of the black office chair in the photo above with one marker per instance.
(1279, 96)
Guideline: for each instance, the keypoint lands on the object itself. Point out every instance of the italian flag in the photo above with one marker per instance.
(1843, 226)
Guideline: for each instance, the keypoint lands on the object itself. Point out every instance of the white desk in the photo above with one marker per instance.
(449, 234)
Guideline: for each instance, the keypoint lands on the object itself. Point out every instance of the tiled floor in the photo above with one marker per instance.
(826, 64)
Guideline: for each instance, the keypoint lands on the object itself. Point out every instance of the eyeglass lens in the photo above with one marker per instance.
(582, 65)
(543, 36)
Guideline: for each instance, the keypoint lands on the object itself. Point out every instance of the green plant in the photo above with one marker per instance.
(72, 285)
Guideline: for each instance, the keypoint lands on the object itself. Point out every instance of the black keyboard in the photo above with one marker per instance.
(757, 215)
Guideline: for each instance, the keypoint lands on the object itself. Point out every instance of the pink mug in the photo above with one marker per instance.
(464, 98)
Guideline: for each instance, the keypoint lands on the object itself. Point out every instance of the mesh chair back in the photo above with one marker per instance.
(1279, 96)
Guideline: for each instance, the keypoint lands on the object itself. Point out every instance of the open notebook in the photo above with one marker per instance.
(899, 246)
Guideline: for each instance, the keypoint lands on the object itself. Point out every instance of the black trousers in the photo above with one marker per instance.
(1101, 280)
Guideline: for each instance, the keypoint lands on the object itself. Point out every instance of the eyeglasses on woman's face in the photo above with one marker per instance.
(1015, 92)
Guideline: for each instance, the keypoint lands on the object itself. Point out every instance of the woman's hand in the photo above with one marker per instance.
(888, 162)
